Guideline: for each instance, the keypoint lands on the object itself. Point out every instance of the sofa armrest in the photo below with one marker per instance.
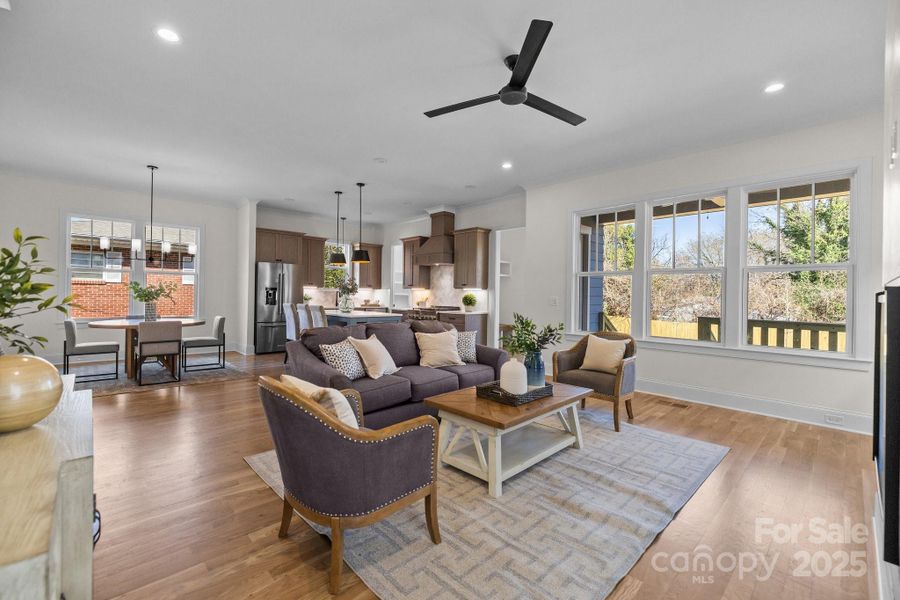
(492, 357)
(626, 376)
(304, 365)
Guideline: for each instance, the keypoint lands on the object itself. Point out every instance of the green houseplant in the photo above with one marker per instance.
(469, 301)
(30, 387)
(151, 294)
(526, 339)
(346, 288)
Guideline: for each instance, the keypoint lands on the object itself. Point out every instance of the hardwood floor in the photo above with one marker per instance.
(185, 517)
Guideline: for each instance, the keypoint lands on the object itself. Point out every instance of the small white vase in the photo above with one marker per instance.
(514, 377)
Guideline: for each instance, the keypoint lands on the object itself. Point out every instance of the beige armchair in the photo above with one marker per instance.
(613, 388)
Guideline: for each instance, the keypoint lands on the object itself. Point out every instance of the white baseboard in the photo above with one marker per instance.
(814, 415)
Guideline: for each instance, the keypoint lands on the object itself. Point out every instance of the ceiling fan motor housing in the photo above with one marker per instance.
(513, 95)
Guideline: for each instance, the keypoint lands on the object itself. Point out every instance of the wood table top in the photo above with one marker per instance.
(133, 323)
(466, 403)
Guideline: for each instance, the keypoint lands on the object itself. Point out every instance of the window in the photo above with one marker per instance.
(687, 269)
(98, 278)
(605, 269)
(334, 274)
(171, 254)
(797, 272)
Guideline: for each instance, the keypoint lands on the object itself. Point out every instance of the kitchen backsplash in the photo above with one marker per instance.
(444, 294)
(329, 297)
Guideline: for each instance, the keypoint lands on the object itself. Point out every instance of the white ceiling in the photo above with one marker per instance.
(291, 100)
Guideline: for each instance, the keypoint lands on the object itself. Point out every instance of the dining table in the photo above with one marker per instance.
(130, 326)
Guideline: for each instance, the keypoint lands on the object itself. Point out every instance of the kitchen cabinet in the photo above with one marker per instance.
(414, 276)
(470, 258)
(464, 321)
(369, 275)
(313, 261)
(279, 246)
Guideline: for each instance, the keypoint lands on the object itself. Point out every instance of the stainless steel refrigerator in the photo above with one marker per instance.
(276, 284)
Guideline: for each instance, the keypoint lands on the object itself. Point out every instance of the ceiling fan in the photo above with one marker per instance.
(515, 91)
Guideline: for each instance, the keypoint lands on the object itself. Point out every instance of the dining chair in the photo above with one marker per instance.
(160, 340)
(291, 330)
(303, 322)
(317, 316)
(71, 347)
(216, 340)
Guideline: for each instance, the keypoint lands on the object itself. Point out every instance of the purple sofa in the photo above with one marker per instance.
(391, 398)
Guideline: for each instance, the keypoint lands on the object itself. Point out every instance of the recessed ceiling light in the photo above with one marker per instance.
(774, 87)
(507, 165)
(168, 35)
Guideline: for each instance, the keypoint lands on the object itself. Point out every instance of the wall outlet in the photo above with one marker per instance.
(554, 300)
(834, 419)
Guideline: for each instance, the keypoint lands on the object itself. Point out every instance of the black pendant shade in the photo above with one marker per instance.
(337, 259)
(360, 256)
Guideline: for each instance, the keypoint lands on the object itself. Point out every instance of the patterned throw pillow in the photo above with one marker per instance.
(465, 344)
(343, 357)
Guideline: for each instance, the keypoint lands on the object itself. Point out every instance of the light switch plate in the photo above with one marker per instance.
(554, 300)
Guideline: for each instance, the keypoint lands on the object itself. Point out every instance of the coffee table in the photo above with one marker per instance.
(513, 439)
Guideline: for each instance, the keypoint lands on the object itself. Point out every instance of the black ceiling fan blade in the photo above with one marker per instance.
(531, 49)
(547, 107)
(467, 104)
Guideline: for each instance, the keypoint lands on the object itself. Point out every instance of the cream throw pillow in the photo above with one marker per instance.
(375, 357)
(603, 354)
(328, 398)
(438, 349)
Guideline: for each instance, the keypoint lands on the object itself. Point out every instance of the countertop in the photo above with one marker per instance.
(462, 312)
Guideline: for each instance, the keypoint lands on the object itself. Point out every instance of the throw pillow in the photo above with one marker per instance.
(328, 398)
(465, 343)
(603, 354)
(438, 349)
(375, 357)
(343, 357)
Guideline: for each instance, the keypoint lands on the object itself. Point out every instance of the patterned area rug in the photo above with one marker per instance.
(155, 377)
(571, 526)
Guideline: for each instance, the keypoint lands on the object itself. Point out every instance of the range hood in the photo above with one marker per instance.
(438, 250)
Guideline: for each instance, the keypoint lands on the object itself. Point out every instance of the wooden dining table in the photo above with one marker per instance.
(130, 326)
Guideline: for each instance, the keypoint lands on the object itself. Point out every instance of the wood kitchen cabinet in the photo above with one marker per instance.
(414, 276)
(463, 321)
(313, 261)
(279, 246)
(470, 258)
(369, 275)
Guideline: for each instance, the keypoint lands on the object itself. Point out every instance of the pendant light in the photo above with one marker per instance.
(360, 256)
(337, 259)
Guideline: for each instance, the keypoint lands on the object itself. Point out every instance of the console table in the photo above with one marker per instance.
(46, 503)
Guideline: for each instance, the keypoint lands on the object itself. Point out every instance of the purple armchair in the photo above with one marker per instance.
(344, 478)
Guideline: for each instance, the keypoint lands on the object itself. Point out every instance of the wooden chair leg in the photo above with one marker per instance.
(616, 413)
(628, 409)
(583, 403)
(431, 517)
(337, 556)
(287, 511)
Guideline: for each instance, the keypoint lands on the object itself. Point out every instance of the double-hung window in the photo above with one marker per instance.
(687, 268)
(605, 268)
(99, 266)
(334, 274)
(798, 268)
(171, 253)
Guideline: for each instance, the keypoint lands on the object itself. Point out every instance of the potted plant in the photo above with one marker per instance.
(347, 288)
(30, 387)
(525, 339)
(469, 301)
(151, 294)
(306, 298)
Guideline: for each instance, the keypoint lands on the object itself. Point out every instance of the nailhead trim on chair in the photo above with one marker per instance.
(346, 437)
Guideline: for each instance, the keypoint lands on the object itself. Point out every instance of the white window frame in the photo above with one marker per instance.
(348, 266)
(195, 271)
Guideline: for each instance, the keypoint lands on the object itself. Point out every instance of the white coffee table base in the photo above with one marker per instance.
(502, 453)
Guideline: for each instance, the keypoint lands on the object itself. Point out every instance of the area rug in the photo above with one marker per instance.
(571, 526)
(155, 377)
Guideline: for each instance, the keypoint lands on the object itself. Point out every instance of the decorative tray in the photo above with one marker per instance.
(493, 391)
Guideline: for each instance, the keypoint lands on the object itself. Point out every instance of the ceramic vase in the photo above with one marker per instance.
(30, 388)
(150, 311)
(534, 365)
(513, 377)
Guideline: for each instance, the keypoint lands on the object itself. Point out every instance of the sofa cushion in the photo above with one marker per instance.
(399, 340)
(313, 338)
(381, 393)
(604, 383)
(426, 382)
(430, 326)
(471, 374)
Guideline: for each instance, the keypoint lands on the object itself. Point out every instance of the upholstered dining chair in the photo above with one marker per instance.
(160, 340)
(303, 321)
(317, 316)
(72, 347)
(344, 478)
(615, 388)
(291, 328)
(216, 340)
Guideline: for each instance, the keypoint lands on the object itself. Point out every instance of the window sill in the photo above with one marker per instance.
(805, 358)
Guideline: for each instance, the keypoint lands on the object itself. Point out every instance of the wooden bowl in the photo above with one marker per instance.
(30, 388)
